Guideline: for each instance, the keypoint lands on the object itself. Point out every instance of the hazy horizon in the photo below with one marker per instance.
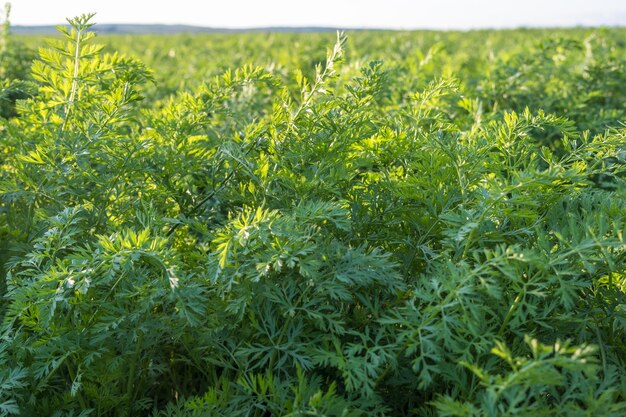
(390, 14)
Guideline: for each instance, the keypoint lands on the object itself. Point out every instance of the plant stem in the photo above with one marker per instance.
(509, 315)
(70, 102)
(130, 387)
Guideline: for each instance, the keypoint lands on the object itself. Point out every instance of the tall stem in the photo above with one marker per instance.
(70, 102)
(130, 386)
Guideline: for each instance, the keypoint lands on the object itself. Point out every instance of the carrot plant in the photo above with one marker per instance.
(344, 237)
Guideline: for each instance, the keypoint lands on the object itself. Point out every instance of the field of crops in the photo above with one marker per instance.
(384, 224)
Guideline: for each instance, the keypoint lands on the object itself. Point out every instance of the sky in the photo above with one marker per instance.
(391, 14)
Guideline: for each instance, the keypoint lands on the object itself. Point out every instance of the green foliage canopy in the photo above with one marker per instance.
(347, 237)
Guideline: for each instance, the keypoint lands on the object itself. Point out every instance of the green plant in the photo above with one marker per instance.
(349, 237)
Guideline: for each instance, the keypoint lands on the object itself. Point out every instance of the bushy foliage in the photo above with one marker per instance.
(353, 239)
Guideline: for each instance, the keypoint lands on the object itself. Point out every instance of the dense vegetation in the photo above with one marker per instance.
(414, 224)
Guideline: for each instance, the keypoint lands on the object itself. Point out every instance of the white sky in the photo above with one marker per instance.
(407, 14)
